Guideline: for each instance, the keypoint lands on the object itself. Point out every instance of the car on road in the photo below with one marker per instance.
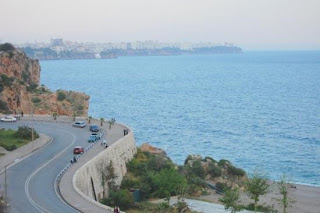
(8, 119)
(97, 135)
(94, 128)
(92, 138)
(80, 124)
(78, 150)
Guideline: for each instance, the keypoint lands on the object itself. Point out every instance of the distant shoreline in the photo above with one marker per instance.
(51, 54)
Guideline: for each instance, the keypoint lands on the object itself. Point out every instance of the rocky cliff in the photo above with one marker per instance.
(20, 90)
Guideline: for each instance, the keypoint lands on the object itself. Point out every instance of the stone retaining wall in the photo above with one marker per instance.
(88, 179)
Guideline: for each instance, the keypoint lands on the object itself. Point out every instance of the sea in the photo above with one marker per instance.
(259, 110)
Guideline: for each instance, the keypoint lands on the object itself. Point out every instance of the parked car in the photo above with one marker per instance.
(92, 138)
(8, 119)
(80, 124)
(97, 135)
(78, 150)
(94, 128)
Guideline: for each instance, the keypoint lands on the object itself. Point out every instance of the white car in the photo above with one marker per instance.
(8, 119)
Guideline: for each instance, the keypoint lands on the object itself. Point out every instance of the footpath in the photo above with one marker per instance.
(66, 185)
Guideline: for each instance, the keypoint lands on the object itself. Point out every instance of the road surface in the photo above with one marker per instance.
(30, 183)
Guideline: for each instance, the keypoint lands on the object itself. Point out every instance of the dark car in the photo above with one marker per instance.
(78, 150)
(94, 128)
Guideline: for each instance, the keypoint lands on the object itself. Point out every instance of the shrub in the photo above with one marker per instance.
(7, 47)
(3, 106)
(223, 163)
(209, 158)
(25, 132)
(222, 186)
(36, 100)
(235, 171)
(122, 198)
(5, 80)
(187, 159)
(32, 87)
(25, 76)
(167, 182)
(61, 96)
(197, 169)
(10, 147)
(214, 170)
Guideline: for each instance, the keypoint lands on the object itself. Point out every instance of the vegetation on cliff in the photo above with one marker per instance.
(156, 176)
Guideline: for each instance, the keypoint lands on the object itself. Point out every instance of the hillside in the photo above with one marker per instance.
(20, 90)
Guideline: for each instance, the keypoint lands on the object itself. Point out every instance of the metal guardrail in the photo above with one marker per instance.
(65, 169)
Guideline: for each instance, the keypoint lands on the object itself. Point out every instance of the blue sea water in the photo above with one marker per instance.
(257, 109)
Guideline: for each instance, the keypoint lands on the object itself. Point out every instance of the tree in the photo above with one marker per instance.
(101, 120)
(55, 114)
(74, 116)
(257, 185)
(167, 182)
(108, 174)
(283, 187)
(230, 200)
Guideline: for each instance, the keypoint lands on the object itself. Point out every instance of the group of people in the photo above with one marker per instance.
(116, 209)
(104, 143)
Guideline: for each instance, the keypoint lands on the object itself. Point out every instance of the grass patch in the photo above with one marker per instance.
(9, 141)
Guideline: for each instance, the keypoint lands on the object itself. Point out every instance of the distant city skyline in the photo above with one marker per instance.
(249, 24)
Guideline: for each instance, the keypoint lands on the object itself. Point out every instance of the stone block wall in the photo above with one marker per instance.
(88, 178)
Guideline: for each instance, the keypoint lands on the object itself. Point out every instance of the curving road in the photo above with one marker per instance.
(31, 182)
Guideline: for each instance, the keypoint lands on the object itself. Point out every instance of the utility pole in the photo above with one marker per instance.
(5, 189)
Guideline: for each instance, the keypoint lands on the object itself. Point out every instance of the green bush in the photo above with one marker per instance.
(122, 198)
(32, 87)
(10, 147)
(5, 80)
(25, 132)
(25, 76)
(197, 169)
(235, 171)
(61, 96)
(187, 159)
(7, 47)
(167, 182)
(214, 170)
(3, 106)
(223, 163)
(36, 100)
(222, 186)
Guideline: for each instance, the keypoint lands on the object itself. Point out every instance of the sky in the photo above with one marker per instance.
(250, 24)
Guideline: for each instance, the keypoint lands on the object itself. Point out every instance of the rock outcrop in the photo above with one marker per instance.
(20, 90)
(145, 147)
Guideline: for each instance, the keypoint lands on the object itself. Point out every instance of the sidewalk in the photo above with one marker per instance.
(66, 183)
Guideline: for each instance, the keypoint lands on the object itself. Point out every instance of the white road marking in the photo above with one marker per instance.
(37, 206)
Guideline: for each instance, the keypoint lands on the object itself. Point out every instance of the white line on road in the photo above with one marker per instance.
(37, 206)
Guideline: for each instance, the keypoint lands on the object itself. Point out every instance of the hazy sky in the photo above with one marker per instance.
(250, 24)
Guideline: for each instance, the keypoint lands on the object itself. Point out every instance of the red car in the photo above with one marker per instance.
(78, 150)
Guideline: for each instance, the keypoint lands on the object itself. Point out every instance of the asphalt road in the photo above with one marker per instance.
(31, 181)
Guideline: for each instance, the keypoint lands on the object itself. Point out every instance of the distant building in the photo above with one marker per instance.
(56, 42)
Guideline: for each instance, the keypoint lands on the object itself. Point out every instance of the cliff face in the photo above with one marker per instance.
(20, 91)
